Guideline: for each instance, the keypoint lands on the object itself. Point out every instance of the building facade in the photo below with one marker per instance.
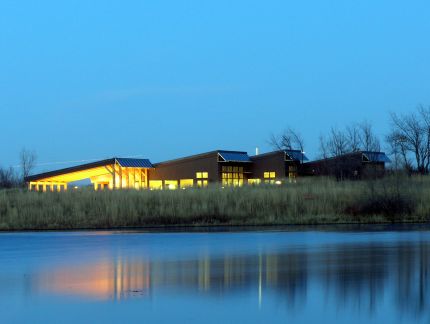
(226, 168)
(355, 165)
(277, 166)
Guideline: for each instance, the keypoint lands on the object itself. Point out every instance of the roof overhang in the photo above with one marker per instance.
(89, 170)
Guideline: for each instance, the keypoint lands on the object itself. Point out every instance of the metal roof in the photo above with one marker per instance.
(296, 155)
(124, 162)
(232, 156)
(134, 163)
(376, 157)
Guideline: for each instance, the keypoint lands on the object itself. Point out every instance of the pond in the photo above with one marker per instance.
(326, 274)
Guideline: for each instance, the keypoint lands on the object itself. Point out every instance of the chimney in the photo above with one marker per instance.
(257, 151)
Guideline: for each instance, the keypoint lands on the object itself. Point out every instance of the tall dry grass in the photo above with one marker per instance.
(310, 201)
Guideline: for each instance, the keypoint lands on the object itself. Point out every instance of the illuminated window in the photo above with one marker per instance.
(155, 184)
(269, 177)
(202, 183)
(232, 176)
(292, 173)
(171, 184)
(186, 183)
(202, 179)
(254, 181)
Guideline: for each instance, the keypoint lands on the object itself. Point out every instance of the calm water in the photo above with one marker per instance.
(365, 275)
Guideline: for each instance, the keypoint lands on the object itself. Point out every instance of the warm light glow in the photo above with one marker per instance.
(269, 177)
(202, 183)
(171, 184)
(254, 181)
(186, 183)
(156, 184)
(232, 176)
(102, 177)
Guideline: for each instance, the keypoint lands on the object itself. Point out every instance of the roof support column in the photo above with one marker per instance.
(114, 176)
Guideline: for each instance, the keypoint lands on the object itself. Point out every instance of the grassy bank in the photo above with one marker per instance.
(310, 201)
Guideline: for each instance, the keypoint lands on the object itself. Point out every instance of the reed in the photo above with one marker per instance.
(309, 201)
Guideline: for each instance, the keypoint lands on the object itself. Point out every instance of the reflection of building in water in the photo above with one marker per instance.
(105, 280)
(358, 276)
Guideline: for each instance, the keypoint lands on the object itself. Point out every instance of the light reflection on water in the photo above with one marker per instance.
(374, 276)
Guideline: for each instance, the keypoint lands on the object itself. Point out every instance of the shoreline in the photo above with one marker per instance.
(219, 228)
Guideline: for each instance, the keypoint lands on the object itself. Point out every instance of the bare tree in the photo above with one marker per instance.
(353, 136)
(368, 140)
(290, 139)
(410, 135)
(324, 152)
(8, 178)
(27, 161)
(425, 115)
(338, 142)
(399, 153)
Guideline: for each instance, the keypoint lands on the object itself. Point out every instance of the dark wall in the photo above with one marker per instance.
(267, 163)
(187, 168)
(350, 166)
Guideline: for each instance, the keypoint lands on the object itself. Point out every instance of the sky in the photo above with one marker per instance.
(82, 80)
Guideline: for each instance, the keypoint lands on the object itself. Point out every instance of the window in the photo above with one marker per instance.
(292, 173)
(269, 177)
(155, 184)
(232, 176)
(186, 183)
(254, 181)
(171, 184)
(202, 179)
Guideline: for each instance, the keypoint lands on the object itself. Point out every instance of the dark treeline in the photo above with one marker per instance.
(14, 177)
(407, 142)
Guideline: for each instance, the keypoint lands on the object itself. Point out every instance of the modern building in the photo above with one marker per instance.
(355, 165)
(118, 173)
(277, 166)
(227, 168)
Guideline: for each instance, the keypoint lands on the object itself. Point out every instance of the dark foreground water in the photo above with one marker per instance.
(364, 275)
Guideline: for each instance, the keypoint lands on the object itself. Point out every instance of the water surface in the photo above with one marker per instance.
(368, 274)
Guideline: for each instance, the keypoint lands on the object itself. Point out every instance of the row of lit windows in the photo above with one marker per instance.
(232, 169)
(269, 175)
(232, 182)
(173, 184)
(228, 179)
(232, 175)
(202, 175)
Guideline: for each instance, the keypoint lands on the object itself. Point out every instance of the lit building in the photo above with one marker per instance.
(118, 173)
(278, 166)
(226, 168)
(229, 168)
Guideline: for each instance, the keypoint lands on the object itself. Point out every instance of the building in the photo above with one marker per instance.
(220, 166)
(227, 168)
(277, 166)
(355, 165)
(118, 173)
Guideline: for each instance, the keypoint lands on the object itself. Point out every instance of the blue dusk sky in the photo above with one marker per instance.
(162, 79)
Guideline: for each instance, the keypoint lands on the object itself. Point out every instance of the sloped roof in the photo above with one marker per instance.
(296, 155)
(376, 156)
(134, 163)
(233, 156)
(99, 165)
